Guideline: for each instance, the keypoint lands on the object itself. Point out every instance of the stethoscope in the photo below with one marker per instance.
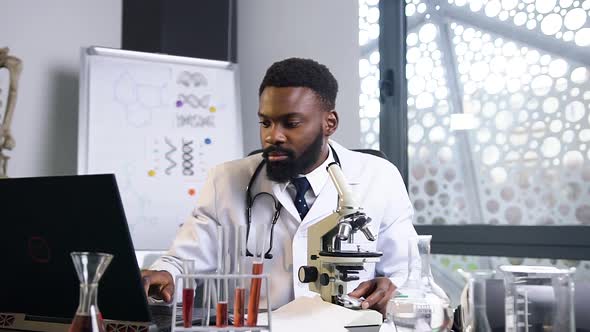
(278, 206)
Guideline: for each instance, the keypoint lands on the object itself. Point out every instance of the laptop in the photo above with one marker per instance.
(44, 219)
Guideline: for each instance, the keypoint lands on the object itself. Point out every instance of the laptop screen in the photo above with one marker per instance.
(43, 220)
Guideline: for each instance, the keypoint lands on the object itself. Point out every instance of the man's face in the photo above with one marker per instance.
(293, 130)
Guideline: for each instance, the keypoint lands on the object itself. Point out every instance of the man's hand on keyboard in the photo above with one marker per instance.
(158, 284)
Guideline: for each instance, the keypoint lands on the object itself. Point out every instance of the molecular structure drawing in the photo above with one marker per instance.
(138, 99)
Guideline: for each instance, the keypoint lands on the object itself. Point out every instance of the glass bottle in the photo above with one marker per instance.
(539, 298)
(90, 267)
(420, 304)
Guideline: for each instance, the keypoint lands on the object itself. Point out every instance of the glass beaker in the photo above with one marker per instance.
(539, 298)
(474, 317)
(90, 267)
(420, 304)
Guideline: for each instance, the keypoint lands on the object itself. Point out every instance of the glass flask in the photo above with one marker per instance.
(420, 304)
(90, 267)
(539, 298)
(474, 317)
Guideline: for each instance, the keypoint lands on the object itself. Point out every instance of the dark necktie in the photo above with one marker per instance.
(302, 186)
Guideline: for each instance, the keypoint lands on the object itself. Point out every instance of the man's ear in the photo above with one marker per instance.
(330, 123)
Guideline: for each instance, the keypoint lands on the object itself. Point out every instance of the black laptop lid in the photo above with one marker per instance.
(43, 220)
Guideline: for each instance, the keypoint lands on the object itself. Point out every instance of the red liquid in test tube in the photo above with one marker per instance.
(188, 301)
(239, 306)
(254, 302)
(221, 317)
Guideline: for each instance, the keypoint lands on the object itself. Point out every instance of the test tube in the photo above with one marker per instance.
(239, 268)
(221, 317)
(257, 267)
(188, 293)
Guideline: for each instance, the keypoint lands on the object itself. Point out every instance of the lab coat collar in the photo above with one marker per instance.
(327, 196)
(317, 178)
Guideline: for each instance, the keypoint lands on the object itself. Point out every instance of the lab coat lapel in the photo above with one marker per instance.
(327, 200)
(285, 200)
(265, 185)
(325, 204)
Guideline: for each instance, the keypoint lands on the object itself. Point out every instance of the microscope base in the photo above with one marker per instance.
(368, 317)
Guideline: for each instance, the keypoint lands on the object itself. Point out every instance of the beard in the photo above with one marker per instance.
(283, 171)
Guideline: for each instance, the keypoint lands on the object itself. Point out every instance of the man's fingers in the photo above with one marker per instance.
(381, 306)
(146, 284)
(363, 288)
(168, 293)
(374, 298)
(158, 284)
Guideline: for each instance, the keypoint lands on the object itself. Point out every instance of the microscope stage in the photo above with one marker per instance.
(351, 253)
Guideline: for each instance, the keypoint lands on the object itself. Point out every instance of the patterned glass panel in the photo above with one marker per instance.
(566, 20)
(437, 181)
(498, 131)
(529, 145)
(369, 73)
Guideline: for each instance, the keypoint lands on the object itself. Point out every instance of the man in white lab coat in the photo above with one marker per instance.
(297, 117)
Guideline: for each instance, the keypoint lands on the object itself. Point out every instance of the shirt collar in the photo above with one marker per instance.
(318, 177)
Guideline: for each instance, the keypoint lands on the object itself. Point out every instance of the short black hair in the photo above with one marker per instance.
(297, 72)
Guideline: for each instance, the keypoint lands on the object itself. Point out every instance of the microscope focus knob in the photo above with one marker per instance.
(308, 274)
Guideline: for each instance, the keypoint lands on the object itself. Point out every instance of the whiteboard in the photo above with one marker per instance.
(158, 123)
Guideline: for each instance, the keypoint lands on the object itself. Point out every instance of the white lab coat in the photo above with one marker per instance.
(381, 192)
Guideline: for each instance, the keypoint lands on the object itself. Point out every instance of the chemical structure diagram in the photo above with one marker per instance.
(138, 99)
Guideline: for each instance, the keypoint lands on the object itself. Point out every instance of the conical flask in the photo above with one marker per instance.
(420, 304)
(90, 267)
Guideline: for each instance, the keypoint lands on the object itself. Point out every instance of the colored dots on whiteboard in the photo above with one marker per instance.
(212, 109)
(151, 173)
(192, 192)
(208, 141)
(178, 103)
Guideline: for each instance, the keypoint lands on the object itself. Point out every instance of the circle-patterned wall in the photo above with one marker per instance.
(565, 20)
(369, 73)
(526, 159)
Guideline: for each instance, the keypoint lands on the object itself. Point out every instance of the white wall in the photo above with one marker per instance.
(47, 36)
(324, 30)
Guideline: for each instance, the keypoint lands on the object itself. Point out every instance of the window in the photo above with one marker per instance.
(496, 121)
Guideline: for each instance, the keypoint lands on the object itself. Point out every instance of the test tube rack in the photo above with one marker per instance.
(204, 278)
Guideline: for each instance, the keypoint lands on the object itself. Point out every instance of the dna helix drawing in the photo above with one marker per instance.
(168, 156)
(187, 158)
(194, 121)
(187, 79)
(193, 100)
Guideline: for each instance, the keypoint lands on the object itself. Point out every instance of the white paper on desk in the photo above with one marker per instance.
(310, 313)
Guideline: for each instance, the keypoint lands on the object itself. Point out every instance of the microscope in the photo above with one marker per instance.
(329, 267)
